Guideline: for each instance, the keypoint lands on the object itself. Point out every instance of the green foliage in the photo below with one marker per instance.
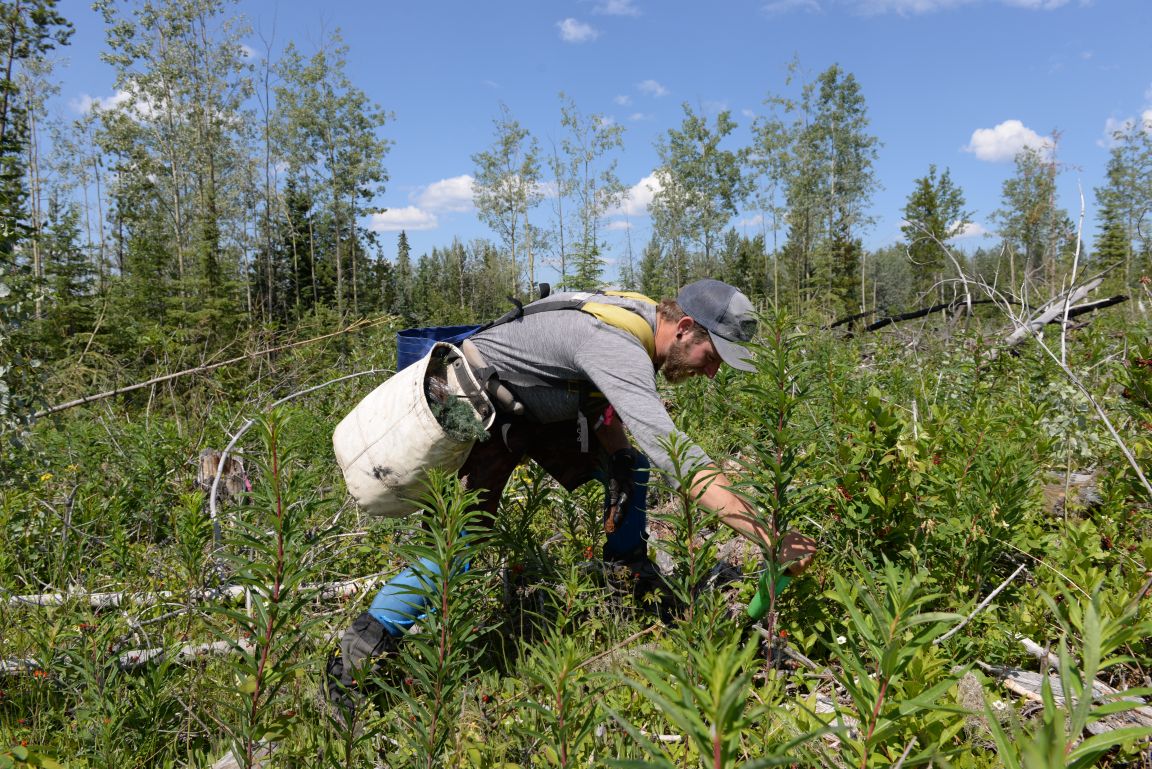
(435, 660)
(893, 676)
(933, 215)
(20, 373)
(924, 470)
(268, 549)
(1054, 740)
(706, 695)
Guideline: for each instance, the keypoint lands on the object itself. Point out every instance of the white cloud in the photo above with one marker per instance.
(752, 223)
(85, 103)
(638, 116)
(652, 88)
(616, 8)
(407, 218)
(575, 31)
(1005, 141)
(623, 100)
(971, 230)
(453, 194)
(247, 52)
(638, 197)
(619, 224)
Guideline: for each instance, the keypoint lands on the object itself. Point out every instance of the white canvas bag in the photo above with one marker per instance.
(387, 443)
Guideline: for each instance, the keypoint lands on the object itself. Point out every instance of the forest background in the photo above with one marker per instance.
(217, 221)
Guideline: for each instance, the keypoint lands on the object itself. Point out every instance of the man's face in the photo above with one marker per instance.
(690, 355)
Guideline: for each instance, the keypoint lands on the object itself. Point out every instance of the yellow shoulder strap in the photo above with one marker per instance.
(631, 295)
(624, 319)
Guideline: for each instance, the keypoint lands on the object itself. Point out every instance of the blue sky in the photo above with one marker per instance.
(958, 83)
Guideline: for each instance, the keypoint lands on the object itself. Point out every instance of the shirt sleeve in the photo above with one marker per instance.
(620, 368)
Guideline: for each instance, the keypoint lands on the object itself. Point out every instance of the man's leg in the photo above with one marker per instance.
(629, 541)
(558, 452)
(401, 602)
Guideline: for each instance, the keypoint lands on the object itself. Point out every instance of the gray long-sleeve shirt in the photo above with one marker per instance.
(531, 353)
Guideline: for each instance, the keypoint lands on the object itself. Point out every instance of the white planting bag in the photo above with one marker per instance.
(387, 443)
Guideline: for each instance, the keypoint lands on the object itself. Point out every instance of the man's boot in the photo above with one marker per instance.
(361, 648)
(636, 572)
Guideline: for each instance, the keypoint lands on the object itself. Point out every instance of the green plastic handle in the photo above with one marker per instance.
(758, 606)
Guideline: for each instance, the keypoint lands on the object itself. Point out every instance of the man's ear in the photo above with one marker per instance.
(684, 325)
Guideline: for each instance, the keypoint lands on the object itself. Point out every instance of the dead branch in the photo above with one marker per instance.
(1030, 686)
(1053, 309)
(979, 608)
(324, 591)
(949, 307)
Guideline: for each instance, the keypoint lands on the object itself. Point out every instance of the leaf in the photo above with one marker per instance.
(875, 495)
(248, 686)
(1087, 751)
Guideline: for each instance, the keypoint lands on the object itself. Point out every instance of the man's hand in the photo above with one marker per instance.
(621, 471)
(795, 552)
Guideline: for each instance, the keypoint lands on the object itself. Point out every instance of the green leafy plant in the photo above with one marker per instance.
(895, 682)
(706, 694)
(438, 658)
(268, 549)
(1057, 738)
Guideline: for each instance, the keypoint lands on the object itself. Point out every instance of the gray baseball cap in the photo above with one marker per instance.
(727, 315)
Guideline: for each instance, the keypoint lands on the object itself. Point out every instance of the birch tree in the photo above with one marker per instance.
(329, 130)
(587, 174)
(702, 186)
(507, 188)
(179, 132)
(1034, 229)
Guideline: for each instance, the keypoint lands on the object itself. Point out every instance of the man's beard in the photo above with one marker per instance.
(676, 368)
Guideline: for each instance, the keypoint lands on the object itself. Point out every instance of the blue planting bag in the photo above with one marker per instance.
(412, 344)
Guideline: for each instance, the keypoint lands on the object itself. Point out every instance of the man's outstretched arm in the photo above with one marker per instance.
(713, 492)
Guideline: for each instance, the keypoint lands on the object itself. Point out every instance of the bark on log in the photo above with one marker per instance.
(234, 481)
(1052, 310)
(324, 591)
(1030, 686)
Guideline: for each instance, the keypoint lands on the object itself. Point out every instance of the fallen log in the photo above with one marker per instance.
(1055, 308)
(1029, 685)
(324, 590)
(914, 314)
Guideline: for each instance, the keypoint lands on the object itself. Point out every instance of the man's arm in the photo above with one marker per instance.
(712, 490)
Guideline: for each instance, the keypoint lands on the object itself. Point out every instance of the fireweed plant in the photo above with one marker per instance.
(929, 473)
(438, 656)
(267, 546)
(777, 448)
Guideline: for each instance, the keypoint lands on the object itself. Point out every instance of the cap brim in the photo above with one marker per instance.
(735, 355)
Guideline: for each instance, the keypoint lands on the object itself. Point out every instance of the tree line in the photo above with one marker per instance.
(223, 190)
